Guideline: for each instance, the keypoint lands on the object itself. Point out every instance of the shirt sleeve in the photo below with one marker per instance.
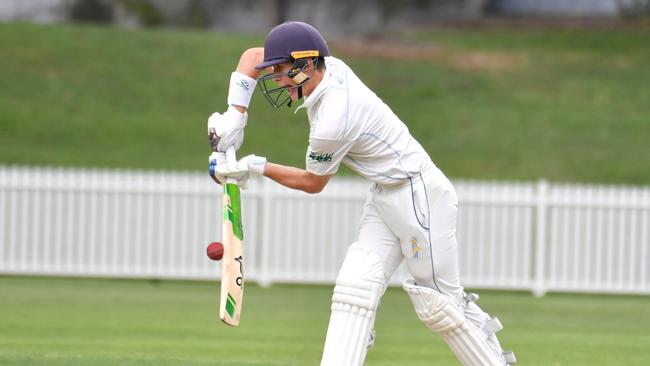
(324, 156)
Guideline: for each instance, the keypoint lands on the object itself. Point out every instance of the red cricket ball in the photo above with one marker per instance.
(215, 251)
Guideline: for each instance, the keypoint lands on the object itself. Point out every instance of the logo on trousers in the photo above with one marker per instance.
(415, 248)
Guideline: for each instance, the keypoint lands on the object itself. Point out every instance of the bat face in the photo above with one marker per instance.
(232, 275)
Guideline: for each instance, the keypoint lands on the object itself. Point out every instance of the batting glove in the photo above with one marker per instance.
(216, 159)
(227, 129)
(251, 165)
(254, 163)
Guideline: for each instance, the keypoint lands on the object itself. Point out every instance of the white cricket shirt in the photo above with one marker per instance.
(349, 124)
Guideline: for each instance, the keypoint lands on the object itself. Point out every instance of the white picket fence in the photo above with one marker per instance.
(535, 236)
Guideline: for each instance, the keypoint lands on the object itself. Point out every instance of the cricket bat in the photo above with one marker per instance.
(232, 264)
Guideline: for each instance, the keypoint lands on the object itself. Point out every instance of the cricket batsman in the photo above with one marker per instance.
(409, 214)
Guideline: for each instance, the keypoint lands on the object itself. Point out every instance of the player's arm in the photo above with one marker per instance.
(320, 166)
(296, 178)
(227, 129)
(246, 66)
(253, 165)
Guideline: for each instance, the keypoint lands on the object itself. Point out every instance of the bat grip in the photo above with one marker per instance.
(231, 159)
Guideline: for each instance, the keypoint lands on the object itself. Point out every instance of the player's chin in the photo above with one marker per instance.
(292, 92)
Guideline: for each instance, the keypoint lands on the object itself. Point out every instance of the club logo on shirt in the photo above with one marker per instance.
(320, 157)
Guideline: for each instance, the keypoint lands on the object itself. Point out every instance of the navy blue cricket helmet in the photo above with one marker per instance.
(290, 41)
(294, 42)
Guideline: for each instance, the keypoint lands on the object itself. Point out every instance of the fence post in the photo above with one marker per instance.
(539, 288)
(265, 274)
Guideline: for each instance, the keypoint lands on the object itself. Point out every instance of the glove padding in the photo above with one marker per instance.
(216, 159)
(227, 129)
(251, 165)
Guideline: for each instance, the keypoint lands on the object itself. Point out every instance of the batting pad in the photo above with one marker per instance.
(359, 286)
(442, 315)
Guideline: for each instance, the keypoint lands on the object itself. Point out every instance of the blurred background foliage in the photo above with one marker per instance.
(494, 99)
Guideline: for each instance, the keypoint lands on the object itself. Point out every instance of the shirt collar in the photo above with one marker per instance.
(317, 92)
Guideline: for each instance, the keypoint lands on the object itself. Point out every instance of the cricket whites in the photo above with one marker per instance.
(232, 264)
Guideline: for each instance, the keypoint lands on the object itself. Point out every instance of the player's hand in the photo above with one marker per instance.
(227, 129)
(255, 164)
(216, 159)
(251, 165)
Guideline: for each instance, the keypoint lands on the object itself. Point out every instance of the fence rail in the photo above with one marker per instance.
(535, 236)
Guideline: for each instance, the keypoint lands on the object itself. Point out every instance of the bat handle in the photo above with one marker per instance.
(231, 159)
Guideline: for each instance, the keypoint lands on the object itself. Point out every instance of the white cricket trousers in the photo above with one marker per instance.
(416, 222)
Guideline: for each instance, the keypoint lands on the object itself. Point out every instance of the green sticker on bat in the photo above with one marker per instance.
(233, 211)
(231, 304)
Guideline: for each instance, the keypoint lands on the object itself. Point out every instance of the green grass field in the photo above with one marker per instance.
(489, 104)
(570, 106)
(61, 321)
